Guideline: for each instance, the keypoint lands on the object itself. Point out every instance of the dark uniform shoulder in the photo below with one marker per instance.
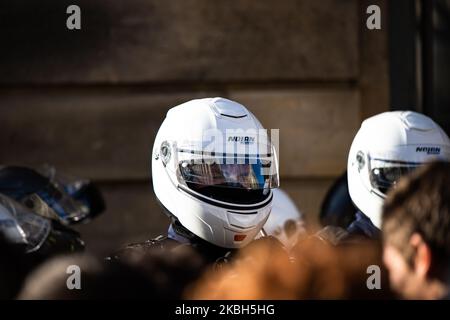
(161, 242)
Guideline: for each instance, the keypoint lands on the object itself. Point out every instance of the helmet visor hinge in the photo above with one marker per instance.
(360, 160)
(165, 152)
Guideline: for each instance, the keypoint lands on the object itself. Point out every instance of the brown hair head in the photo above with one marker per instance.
(420, 204)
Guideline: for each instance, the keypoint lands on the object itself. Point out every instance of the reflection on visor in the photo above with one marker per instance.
(34, 228)
(247, 175)
(246, 181)
(383, 178)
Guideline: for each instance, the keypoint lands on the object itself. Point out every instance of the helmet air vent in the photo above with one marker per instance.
(227, 108)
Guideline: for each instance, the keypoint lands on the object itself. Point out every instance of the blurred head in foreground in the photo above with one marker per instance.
(416, 232)
(319, 270)
(150, 275)
(13, 268)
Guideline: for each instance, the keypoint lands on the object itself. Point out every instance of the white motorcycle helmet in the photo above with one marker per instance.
(285, 221)
(386, 147)
(213, 168)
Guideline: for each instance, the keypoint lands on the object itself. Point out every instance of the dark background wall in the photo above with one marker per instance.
(90, 101)
(419, 57)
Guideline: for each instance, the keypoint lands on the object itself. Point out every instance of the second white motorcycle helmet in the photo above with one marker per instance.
(285, 222)
(213, 168)
(386, 147)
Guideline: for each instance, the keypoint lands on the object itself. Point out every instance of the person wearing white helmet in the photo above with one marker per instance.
(386, 147)
(213, 171)
(285, 221)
